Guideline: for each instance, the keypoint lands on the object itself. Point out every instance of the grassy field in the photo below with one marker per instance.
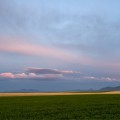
(71, 107)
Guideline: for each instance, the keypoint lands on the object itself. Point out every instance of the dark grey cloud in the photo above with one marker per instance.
(50, 71)
(42, 71)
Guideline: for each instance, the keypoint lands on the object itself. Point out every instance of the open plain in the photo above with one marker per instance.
(60, 106)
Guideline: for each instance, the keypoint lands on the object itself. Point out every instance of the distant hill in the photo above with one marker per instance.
(26, 90)
(110, 89)
(117, 88)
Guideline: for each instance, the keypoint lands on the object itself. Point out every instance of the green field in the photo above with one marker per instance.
(71, 107)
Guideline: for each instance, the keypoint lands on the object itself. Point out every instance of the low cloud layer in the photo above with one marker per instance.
(54, 74)
(39, 73)
(29, 76)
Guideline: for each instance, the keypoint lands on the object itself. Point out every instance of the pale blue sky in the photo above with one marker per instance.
(68, 35)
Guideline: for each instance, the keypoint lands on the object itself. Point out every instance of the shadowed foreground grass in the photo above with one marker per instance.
(72, 107)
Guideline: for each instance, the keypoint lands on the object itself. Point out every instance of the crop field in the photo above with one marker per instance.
(64, 107)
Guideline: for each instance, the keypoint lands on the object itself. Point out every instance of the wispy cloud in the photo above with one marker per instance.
(15, 45)
(18, 45)
(94, 78)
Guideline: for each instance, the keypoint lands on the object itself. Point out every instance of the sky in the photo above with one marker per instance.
(52, 45)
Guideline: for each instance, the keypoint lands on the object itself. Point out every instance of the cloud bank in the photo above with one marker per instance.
(55, 74)
(29, 76)
(39, 73)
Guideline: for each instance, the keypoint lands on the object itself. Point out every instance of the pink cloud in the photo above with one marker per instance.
(7, 75)
(11, 75)
(30, 76)
(20, 75)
